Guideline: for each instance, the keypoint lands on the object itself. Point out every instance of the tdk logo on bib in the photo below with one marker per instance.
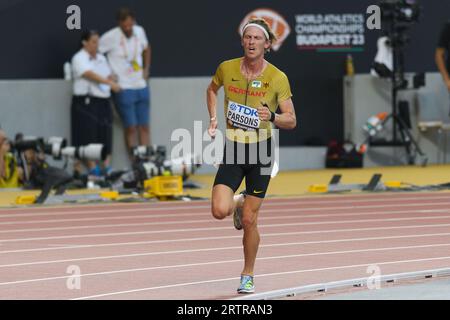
(242, 116)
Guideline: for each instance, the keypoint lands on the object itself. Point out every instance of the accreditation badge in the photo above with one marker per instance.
(135, 65)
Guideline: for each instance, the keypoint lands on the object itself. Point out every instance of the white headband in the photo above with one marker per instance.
(257, 26)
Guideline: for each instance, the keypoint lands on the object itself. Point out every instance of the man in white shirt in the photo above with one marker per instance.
(128, 52)
(91, 114)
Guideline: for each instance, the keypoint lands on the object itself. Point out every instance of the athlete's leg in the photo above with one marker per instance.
(227, 181)
(256, 182)
(222, 204)
(251, 233)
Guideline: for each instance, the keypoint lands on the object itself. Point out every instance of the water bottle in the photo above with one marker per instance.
(372, 125)
(67, 71)
(375, 123)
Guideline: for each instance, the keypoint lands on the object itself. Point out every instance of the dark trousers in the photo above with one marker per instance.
(91, 121)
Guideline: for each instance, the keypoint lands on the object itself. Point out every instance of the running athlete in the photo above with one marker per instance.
(254, 89)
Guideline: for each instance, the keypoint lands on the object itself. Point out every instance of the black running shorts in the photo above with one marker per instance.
(252, 161)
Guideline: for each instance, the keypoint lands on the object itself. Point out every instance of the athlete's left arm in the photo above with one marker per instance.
(286, 119)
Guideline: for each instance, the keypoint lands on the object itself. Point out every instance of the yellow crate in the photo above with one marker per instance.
(164, 186)
(112, 195)
(25, 199)
(318, 188)
(393, 184)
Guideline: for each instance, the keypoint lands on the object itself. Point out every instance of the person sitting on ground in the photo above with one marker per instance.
(10, 173)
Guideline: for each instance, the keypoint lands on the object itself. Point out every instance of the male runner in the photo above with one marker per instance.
(254, 89)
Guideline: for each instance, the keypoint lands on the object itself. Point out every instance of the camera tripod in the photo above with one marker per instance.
(407, 140)
(397, 41)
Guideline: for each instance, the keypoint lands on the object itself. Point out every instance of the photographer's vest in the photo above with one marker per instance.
(11, 179)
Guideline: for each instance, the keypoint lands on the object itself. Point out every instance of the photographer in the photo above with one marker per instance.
(10, 173)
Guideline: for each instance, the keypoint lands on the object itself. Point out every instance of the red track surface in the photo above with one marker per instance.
(178, 251)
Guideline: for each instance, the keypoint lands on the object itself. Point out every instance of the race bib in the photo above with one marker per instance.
(241, 116)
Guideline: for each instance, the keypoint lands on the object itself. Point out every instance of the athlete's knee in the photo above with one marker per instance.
(249, 219)
(219, 211)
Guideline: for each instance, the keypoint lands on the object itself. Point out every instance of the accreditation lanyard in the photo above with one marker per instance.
(133, 62)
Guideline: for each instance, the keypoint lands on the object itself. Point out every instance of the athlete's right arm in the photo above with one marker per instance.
(211, 101)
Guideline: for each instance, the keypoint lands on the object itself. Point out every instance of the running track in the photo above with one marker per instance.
(176, 250)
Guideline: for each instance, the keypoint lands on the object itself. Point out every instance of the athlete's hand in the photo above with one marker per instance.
(212, 128)
(264, 112)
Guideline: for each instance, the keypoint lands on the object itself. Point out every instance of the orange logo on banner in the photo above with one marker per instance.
(276, 22)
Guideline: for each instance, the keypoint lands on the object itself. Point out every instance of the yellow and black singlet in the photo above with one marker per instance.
(243, 97)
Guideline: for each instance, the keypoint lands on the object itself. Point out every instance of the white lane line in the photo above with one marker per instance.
(125, 217)
(42, 207)
(210, 220)
(109, 211)
(64, 247)
(225, 261)
(146, 254)
(266, 204)
(260, 276)
(97, 235)
(224, 228)
(310, 198)
(168, 215)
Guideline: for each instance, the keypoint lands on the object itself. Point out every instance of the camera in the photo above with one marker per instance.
(53, 146)
(406, 11)
(150, 161)
(22, 144)
(152, 153)
(93, 151)
(57, 148)
(182, 166)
